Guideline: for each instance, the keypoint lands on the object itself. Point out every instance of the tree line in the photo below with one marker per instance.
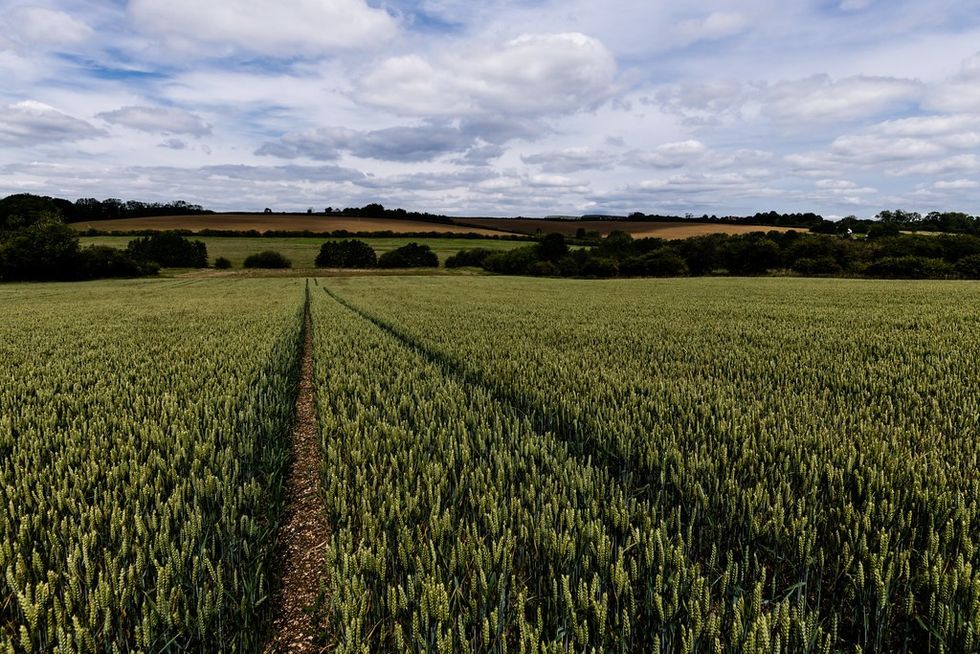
(902, 256)
(23, 205)
(889, 221)
(37, 245)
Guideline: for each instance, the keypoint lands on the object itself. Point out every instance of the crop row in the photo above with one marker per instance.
(458, 526)
(818, 437)
(143, 430)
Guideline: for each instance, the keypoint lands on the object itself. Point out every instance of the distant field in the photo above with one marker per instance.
(278, 222)
(303, 251)
(675, 230)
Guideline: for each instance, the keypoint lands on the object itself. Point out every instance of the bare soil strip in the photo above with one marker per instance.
(304, 530)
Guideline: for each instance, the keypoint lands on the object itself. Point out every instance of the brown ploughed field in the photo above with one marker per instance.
(279, 223)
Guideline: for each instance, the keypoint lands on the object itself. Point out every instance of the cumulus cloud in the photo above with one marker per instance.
(159, 120)
(704, 102)
(30, 26)
(959, 94)
(820, 98)
(533, 74)
(277, 28)
(31, 123)
(873, 149)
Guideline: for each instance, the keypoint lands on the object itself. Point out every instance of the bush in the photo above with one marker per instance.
(552, 247)
(600, 267)
(472, 257)
(101, 261)
(42, 251)
(412, 255)
(969, 267)
(267, 259)
(544, 269)
(170, 250)
(664, 262)
(909, 268)
(816, 266)
(513, 262)
(883, 230)
(749, 255)
(346, 254)
(221, 263)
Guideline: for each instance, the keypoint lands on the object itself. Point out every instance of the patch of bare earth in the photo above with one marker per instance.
(304, 531)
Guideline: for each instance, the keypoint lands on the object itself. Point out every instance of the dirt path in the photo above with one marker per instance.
(304, 531)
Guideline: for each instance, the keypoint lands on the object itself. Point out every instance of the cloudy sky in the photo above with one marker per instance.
(496, 107)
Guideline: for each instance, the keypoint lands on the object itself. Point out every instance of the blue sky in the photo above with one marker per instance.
(501, 107)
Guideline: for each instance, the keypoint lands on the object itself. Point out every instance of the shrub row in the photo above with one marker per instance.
(620, 255)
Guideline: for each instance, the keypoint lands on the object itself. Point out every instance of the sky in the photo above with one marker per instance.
(496, 107)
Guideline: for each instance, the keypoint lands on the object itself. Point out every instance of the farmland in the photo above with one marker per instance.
(638, 229)
(142, 436)
(302, 251)
(716, 465)
(279, 222)
(508, 464)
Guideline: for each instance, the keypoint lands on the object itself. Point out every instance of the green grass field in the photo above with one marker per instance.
(303, 251)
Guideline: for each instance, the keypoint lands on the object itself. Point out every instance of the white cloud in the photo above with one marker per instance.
(668, 155)
(160, 120)
(704, 102)
(31, 123)
(926, 126)
(836, 184)
(570, 160)
(956, 185)
(533, 74)
(409, 143)
(714, 26)
(875, 149)
(960, 93)
(819, 98)
(36, 26)
(277, 28)
(554, 181)
(959, 164)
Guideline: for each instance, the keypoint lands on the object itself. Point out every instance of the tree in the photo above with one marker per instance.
(267, 259)
(23, 210)
(346, 254)
(373, 210)
(101, 261)
(750, 256)
(552, 247)
(45, 250)
(471, 257)
(412, 255)
(170, 250)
